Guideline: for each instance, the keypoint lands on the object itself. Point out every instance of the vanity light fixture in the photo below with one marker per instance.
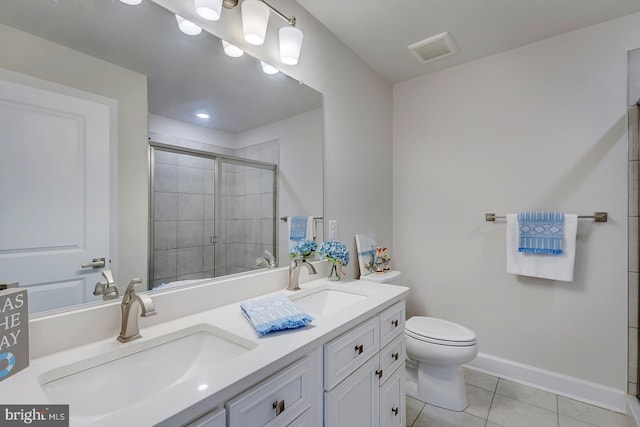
(209, 9)
(202, 115)
(255, 18)
(232, 50)
(188, 27)
(269, 69)
(131, 2)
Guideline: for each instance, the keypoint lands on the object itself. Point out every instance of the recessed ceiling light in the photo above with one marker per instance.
(131, 2)
(202, 115)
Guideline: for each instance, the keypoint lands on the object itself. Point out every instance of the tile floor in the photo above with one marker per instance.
(495, 402)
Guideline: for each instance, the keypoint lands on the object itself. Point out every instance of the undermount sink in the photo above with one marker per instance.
(326, 301)
(99, 386)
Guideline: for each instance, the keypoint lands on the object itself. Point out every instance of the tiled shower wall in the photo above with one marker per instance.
(634, 254)
(184, 211)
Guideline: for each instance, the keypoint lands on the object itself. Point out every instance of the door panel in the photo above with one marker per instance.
(54, 187)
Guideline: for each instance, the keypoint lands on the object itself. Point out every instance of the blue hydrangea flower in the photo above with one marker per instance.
(304, 248)
(335, 252)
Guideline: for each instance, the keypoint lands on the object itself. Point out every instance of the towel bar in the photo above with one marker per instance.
(597, 216)
(315, 218)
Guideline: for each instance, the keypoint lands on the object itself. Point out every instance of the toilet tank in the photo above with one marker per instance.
(393, 277)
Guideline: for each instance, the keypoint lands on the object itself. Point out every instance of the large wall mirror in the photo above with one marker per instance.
(189, 198)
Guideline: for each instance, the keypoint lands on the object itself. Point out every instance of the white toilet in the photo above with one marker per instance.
(440, 348)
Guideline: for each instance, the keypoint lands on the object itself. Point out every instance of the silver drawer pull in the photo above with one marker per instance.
(359, 349)
(379, 373)
(278, 406)
(394, 323)
(395, 356)
(395, 411)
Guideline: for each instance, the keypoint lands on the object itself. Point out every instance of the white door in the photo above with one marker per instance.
(54, 191)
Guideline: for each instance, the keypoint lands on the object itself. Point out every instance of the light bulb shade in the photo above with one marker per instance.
(131, 2)
(268, 69)
(255, 18)
(188, 27)
(232, 50)
(209, 9)
(290, 45)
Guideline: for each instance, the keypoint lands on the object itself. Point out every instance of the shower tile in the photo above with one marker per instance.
(239, 187)
(236, 207)
(209, 207)
(165, 235)
(251, 253)
(165, 206)
(190, 180)
(190, 233)
(158, 282)
(189, 160)
(632, 371)
(209, 164)
(165, 157)
(192, 276)
(633, 244)
(252, 181)
(266, 181)
(190, 206)
(633, 188)
(266, 231)
(233, 230)
(189, 260)
(209, 182)
(266, 205)
(228, 183)
(189, 143)
(209, 274)
(252, 231)
(633, 300)
(164, 264)
(235, 254)
(165, 178)
(209, 262)
(252, 206)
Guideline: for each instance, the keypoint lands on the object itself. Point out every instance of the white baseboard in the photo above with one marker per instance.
(563, 385)
(633, 408)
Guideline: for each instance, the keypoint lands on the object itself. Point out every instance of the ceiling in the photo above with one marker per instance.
(185, 74)
(380, 31)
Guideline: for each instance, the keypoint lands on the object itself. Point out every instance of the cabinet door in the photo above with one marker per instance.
(391, 323)
(355, 401)
(212, 419)
(393, 401)
(392, 356)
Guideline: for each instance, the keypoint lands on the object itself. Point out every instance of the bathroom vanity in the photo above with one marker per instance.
(210, 368)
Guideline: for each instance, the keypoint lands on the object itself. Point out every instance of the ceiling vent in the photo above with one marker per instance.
(435, 47)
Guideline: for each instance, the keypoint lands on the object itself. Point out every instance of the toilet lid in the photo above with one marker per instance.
(431, 328)
(381, 277)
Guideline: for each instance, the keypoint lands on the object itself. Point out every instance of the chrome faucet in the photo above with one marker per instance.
(108, 288)
(294, 273)
(268, 261)
(130, 330)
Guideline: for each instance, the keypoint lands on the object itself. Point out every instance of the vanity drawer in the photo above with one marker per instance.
(349, 351)
(392, 356)
(214, 418)
(391, 323)
(278, 400)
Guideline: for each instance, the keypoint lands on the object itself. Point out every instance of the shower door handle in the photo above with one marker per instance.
(95, 263)
(213, 240)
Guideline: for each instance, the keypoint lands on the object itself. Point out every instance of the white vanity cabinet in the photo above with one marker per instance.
(364, 373)
(287, 398)
(216, 418)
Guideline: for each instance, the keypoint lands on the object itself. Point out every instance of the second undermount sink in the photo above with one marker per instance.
(99, 386)
(326, 301)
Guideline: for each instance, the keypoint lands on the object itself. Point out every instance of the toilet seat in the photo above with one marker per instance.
(439, 331)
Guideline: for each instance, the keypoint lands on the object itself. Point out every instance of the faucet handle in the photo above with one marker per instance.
(131, 287)
(108, 276)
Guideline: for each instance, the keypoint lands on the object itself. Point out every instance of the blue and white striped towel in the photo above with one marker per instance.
(541, 232)
(273, 313)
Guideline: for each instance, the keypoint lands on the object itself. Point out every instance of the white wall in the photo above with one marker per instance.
(24, 53)
(542, 127)
(357, 119)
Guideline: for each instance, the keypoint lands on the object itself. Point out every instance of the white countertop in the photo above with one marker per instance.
(272, 353)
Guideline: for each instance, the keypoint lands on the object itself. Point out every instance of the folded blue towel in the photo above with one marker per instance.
(298, 228)
(541, 232)
(273, 313)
